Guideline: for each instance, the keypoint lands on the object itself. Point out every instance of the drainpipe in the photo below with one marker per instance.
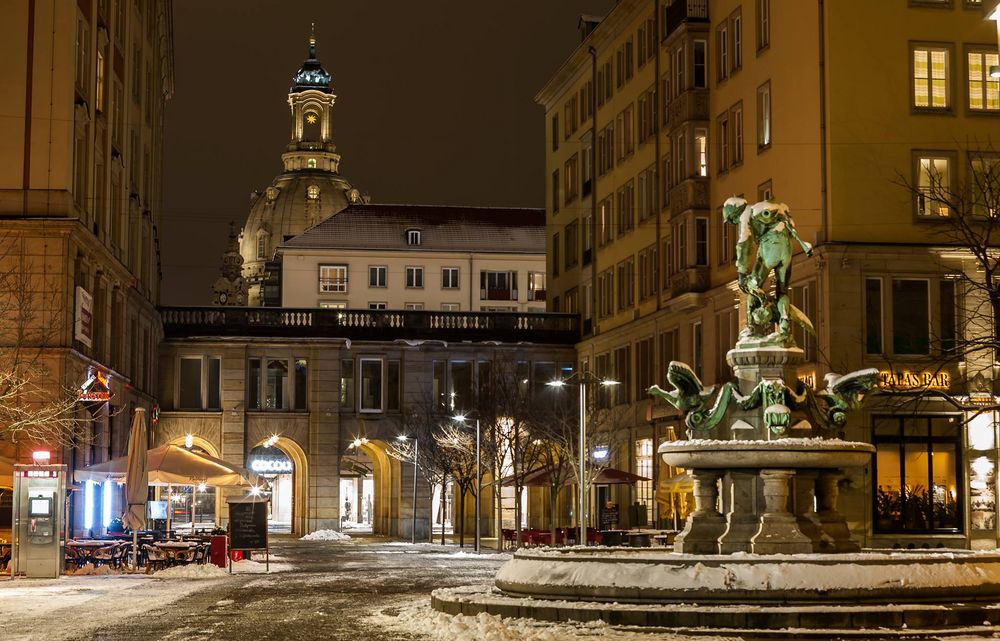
(823, 214)
(659, 179)
(593, 190)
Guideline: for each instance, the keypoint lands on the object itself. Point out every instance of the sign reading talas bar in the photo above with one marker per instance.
(248, 526)
(909, 380)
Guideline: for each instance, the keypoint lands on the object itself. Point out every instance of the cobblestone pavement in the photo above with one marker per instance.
(330, 593)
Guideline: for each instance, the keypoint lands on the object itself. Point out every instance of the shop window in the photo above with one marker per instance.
(199, 383)
(917, 464)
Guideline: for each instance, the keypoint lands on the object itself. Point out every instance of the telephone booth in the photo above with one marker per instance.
(39, 527)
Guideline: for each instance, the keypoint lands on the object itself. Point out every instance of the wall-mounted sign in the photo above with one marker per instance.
(911, 380)
(271, 466)
(83, 328)
(96, 389)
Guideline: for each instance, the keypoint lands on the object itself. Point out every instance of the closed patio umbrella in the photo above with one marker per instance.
(136, 479)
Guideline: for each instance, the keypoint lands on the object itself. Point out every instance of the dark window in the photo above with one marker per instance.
(253, 384)
(190, 392)
(910, 317)
(347, 383)
(949, 313)
(301, 383)
(873, 316)
(392, 385)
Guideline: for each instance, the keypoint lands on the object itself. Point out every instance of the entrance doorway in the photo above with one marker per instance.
(357, 493)
(277, 467)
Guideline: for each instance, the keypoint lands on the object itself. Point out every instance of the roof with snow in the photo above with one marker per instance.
(442, 228)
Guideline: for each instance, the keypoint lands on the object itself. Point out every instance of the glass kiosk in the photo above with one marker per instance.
(39, 520)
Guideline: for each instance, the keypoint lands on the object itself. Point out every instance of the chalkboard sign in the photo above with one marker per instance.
(609, 517)
(248, 525)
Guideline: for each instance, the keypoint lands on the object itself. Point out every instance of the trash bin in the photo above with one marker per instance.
(219, 543)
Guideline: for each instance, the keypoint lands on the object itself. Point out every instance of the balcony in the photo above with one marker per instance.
(382, 325)
(691, 193)
(691, 104)
(682, 11)
(690, 280)
(497, 294)
(536, 295)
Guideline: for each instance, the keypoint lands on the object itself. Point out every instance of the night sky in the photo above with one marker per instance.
(434, 105)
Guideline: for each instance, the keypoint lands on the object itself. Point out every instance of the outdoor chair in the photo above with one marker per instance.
(200, 553)
(74, 558)
(509, 538)
(156, 559)
(105, 555)
(182, 557)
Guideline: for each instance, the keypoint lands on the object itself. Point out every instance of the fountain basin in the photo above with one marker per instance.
(800, 453)
(648, 576)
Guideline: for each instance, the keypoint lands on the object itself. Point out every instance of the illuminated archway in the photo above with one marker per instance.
(300, 478)
(385, 502)
(198, 442)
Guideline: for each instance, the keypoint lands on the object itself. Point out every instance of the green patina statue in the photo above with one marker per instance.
(768, 226)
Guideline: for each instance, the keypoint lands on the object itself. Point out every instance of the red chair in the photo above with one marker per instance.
(593, 536)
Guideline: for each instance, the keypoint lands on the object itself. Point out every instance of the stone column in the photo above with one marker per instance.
(803, 499)
(778, 532)
(742, 517)
(831, 521)
(706, 524)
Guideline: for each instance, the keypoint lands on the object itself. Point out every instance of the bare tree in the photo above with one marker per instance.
(965, 217)
(459, 446)
(35, 404)
(421, 424)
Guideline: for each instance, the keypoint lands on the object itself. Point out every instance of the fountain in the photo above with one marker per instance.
(781, 556)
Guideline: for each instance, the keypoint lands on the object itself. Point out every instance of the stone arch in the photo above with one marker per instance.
(210, 449)
(386, 473)
(300, 480)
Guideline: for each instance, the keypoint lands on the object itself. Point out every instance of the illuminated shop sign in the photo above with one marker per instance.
(910, 380)
(271, 466)
(97, 388)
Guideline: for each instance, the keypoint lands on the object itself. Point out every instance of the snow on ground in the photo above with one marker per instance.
(420, 620)
(71, 606)
(326, 535)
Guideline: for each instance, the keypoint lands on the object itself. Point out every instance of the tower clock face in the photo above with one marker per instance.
(311, 119)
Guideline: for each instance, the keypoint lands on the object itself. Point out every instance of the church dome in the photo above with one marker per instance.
(309, 190)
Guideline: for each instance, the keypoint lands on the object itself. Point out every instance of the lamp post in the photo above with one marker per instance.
(461, 418)
(582, 381)
(413, 507)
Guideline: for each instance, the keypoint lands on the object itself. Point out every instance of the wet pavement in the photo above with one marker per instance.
(331, 592)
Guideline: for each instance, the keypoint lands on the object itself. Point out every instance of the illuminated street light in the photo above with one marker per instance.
(413, 508)
(461, 418)
(582, 381)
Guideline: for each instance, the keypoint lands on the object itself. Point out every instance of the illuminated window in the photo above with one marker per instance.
(985, 178)
(701, 149)
(312, 192)
(644, 489)
(933, 185)
(930, 78)
(333, 279)
(311, 163)
(917, 465)
(764, 116)
(984, 90)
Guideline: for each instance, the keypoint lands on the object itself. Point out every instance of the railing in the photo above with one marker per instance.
(682, 11)
(691, 279)
(357, 324)
(536, 294)
(497, 294)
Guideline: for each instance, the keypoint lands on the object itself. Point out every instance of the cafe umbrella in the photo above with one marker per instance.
(136, 480)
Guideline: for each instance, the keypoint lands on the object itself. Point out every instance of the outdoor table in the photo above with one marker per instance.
(638, 540)
(613, 537)
(87, 547)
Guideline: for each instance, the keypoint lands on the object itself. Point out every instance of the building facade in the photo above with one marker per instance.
(668, 108)
(80, 201)
(315, 400)
(418, 257)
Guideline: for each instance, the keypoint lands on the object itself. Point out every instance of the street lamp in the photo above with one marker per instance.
(583, 379)
(461, 418)
(413, 508)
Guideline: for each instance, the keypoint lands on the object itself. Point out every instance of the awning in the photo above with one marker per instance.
(175, 465)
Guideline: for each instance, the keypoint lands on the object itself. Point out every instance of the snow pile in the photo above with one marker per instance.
(89, 569)
(421, 621)
(192, 571)
(326, 535)
(247, 566)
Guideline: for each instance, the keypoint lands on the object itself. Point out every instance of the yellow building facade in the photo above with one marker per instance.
(85, 83)
(849, 112)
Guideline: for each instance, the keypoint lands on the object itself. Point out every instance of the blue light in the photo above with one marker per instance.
(106, 507)
(88, 505)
